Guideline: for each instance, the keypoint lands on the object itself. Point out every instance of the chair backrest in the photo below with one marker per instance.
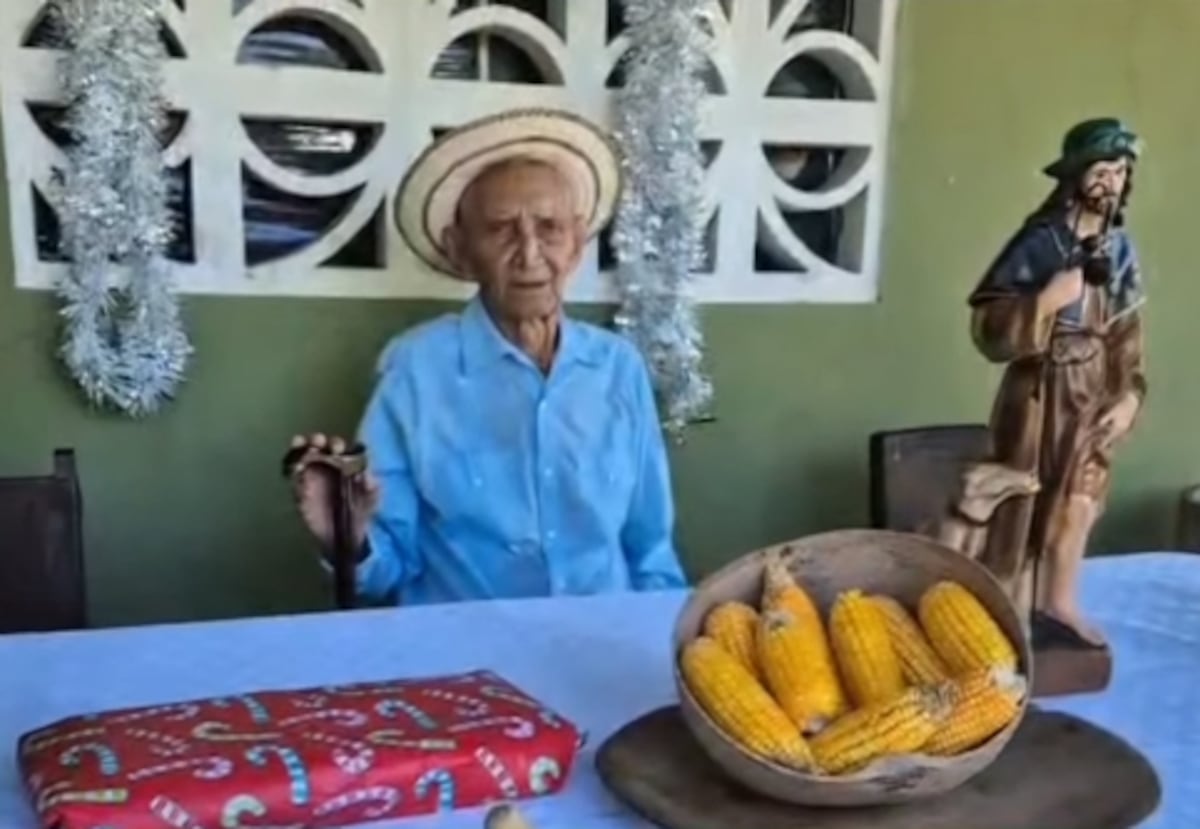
(41, 551)
(915, 472)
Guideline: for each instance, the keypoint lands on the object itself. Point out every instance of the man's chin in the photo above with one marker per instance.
(530, 288)
(1100, 207)
(532, 303)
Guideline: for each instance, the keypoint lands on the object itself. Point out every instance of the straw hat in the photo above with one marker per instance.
(428, 198)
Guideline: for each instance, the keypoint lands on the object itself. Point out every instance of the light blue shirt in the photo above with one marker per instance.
(499, 481)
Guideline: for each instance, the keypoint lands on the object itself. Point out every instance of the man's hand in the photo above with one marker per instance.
(1117, 420)
(1096, 246)
(1062, 290)
(1097, 259)
(313, 486)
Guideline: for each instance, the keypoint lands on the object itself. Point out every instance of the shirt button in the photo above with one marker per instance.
(548, 472)
(551, 535)
(524, 548)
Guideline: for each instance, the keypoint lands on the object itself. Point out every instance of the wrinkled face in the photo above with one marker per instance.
(1102, 185)
(517, 235)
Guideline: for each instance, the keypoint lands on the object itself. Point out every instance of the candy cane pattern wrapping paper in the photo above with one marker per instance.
(318, 758)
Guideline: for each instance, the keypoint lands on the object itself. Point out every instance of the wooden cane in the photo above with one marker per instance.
(345, 467)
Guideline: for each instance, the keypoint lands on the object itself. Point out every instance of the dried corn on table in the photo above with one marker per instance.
(602, 660)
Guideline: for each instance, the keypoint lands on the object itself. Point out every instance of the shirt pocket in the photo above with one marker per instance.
(616, 476)
(482, 486)
(609, 458)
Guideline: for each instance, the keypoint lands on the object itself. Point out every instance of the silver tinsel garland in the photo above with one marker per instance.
(658, 230)
(123, 339)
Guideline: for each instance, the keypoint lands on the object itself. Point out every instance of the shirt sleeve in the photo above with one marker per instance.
(393, 559)
(1129, 291)
(1124, 338)
(1007, 320)
(647, 537)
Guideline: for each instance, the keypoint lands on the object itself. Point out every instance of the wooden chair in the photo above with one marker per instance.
(914, 472)
(1187, 521)
(41, 551)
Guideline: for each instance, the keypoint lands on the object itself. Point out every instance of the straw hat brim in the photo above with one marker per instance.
(587, 158)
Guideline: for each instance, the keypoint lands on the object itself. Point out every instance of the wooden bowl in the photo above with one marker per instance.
(900, 565)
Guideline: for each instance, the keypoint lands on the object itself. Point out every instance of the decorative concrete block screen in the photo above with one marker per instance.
(295, 120)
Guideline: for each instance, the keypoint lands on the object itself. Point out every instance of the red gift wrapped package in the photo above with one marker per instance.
(317, 757)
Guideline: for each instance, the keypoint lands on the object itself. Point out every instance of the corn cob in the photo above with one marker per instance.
(985, 701)
(782, 592)
(919, 662)
(734, 625)
(962, 631)
(741, 707)
(798, 672)
(901, 725)
(869, 665)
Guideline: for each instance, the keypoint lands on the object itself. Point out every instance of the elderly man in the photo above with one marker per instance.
(512, 450)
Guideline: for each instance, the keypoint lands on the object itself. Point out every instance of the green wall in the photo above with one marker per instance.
(186, 517)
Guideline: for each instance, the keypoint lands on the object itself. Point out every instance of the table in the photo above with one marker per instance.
(600, 660)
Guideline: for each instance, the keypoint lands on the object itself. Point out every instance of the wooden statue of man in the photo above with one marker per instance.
(1060, 308)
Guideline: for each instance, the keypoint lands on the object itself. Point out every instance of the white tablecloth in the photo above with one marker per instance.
(601, 661)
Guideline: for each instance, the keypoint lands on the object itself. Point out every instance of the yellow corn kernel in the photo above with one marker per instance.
(962, 631)
(741, 707)
(734, 625)
(869, 665)
(798, 671)
(985, 701)
(781, 591)
(919, 662)
(901, 725)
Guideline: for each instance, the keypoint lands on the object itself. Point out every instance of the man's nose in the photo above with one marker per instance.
(527, 241)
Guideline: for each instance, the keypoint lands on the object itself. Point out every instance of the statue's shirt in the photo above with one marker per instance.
(1041, 249)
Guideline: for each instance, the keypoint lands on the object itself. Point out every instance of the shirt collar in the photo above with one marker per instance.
(483, 344)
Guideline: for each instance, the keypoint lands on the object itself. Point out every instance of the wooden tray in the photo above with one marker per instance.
(1058, 772)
